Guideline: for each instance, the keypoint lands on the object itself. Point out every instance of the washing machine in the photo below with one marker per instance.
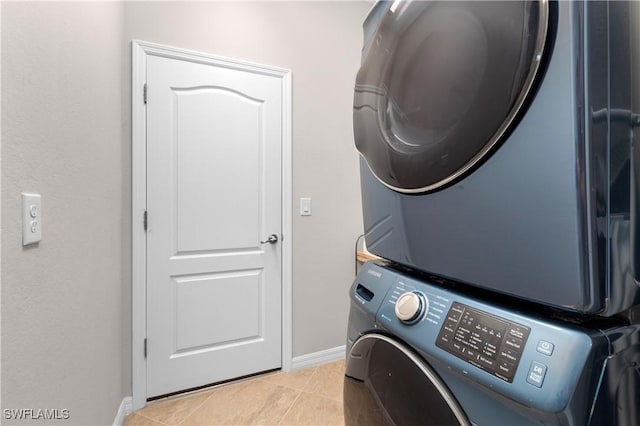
(497, 146)
(419, 353)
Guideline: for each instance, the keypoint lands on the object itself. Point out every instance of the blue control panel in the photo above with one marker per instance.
(527, 359)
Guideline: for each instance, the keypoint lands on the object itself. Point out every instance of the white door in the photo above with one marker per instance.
(214, 141)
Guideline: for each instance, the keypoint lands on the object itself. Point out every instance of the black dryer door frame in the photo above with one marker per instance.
(442, 83)
(387, 383)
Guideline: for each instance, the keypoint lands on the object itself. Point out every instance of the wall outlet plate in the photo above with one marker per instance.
(31, 218)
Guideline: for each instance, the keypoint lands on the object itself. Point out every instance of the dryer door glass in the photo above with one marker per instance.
(386, 383)
(441, 83)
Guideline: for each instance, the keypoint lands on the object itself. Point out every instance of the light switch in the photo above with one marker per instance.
(31, 218)
(305, 206)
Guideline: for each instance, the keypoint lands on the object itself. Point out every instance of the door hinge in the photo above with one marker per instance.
(145, 220)
(145, 347)
(144, 93)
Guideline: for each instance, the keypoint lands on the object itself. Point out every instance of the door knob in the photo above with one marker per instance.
(273, 238)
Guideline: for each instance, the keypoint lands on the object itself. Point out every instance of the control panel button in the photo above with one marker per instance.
(509, 355)
(506, 368)
(513, 343)
(411, 306)
(536, 374)
(517, 332)
(545, 348)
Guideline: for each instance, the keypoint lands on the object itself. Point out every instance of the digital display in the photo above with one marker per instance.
(488, 342)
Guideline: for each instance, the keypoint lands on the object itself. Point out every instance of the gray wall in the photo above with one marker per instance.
(66, 314)
(62, 301)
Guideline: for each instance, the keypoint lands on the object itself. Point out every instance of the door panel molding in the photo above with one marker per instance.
(141, 50)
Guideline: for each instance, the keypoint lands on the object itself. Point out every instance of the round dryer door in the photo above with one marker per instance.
(441, 83)
(387, 383)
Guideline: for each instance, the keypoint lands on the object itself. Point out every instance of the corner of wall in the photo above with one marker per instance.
(126, 408)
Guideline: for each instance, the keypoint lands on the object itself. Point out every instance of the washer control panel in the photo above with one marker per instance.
(489, 342)
(527, 358)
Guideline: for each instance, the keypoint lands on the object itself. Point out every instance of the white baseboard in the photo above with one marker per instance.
(317, 358)
(126, 408)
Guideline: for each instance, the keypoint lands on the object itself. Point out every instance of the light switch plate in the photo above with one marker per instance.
(31, 218)
(305, 206)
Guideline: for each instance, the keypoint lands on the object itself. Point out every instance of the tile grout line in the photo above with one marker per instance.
(196, 408)
(313, 394)
(149, 418)
(301, 389)
(300, 392)
(284, 416)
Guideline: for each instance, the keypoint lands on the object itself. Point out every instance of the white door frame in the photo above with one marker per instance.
(140, 51)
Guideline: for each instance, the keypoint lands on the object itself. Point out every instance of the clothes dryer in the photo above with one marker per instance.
(420, 354)
(497, 146)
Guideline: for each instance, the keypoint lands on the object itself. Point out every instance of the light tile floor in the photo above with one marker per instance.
(312, 396)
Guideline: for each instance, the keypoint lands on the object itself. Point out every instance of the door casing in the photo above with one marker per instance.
(140, 51)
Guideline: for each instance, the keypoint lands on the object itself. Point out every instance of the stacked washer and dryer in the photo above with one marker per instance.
(501, 189)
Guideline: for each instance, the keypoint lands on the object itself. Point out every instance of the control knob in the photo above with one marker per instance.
(411, 306)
